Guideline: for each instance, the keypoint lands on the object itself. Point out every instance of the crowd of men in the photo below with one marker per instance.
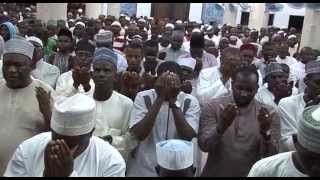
(147, 97)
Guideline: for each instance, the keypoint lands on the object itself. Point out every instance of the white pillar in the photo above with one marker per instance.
(143, 9)
(258, 17)
(230, 16)
(311, 29)
(114, 9)
(54, 11)
(93, 10)
(195, 11)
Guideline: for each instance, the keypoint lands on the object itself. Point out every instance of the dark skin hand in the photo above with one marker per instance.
(167, 88)
(227, 116)
(81, 76)
(264, 119)
(43, 98)
(184, 130)
(58, 159)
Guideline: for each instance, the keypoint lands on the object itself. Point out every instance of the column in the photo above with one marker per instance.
(143, 9)
(114, 9)
(230, 15)
(311, 29)
(54, 11)
(258, 17)
(93, 10)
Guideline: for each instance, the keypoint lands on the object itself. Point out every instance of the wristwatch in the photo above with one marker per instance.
(176, 105)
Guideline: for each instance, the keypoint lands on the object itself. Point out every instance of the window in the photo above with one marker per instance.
(244, 18)
(271, 18)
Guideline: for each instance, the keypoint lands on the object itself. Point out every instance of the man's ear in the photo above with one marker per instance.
(157, 168)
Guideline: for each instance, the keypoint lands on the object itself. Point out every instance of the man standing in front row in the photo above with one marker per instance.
(236, 130)
(25, 102)
(160, 114)
(69, 149)
(305, 160)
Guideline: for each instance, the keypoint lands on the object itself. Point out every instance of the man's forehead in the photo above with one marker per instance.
(246, 77)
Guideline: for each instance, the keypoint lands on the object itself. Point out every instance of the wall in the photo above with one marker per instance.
(195, 11)
(281, 19)
(143, 9)
(128, 8)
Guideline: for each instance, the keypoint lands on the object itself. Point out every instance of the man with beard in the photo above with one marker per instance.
(291, 108)
(302, 162)
(69, 149)
(161, 114)
(25, 109)
(277, 85)
(76, 78)
(236, 130)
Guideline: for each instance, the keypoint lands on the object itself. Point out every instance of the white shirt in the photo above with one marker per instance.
(122, 63)
(20, 117)
(210, 85)
(290, 111)
(65, 84)
(161, 48)
(280, 165)
(99, 159)
(266, 97)
(186, 46)
(144, 161)
(46, 72)
(112, 118)
(291, 62)
(300, 70)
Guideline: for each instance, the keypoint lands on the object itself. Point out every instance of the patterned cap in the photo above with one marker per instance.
(313, 67)
(106, 54)
(309, 129)
(273, 67)
(19, 45)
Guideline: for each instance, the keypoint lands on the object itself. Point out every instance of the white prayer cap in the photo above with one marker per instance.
(122, 15)
(279, 32)
(178, 22)
(73, 116)
(209, 28)
(80, 10)
(233, 38)
(292, 36)
(28, 9)
(116, 23)
(35, 39)
(169, 25)
(174, 154)
(187, 62)
(103, 36)
(127, 18)
(5, 13)
(80, 23)
(309, 129)
(196, 30)
(19, 45)
(142, 20)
